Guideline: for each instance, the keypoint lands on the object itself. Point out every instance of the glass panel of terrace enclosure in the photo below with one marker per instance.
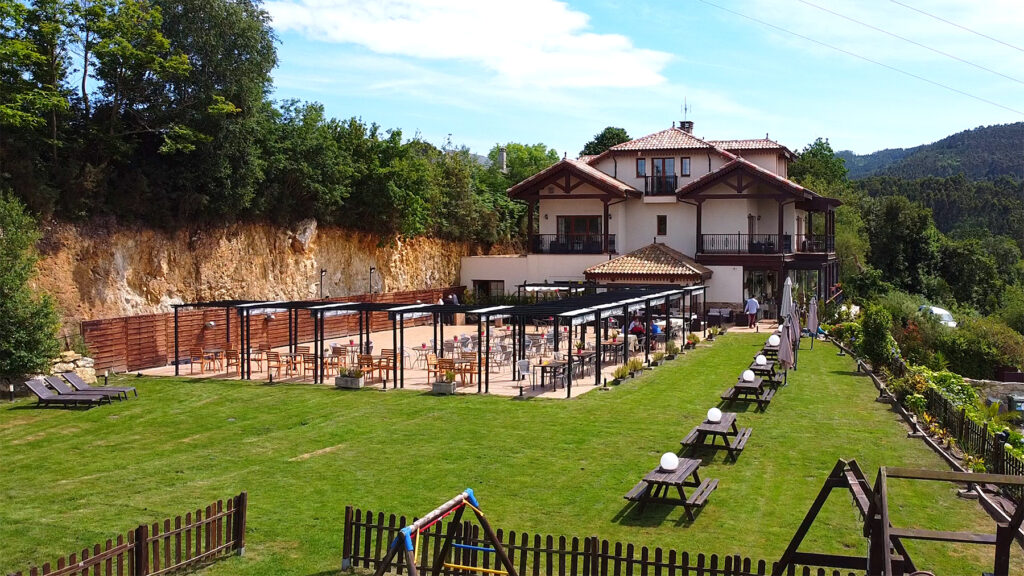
(761, 284)
(572, 225)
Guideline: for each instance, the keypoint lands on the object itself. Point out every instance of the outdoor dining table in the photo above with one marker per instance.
(421, 356)
(657, 487)
(611, 350)
(217, 357)
(552, 367)
(704, 435)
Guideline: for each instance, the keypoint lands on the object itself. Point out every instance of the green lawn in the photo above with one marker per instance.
(303, 452)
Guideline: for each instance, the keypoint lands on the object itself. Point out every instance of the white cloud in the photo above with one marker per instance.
(523, 43)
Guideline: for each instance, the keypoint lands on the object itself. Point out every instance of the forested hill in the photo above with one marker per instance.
(982, 153)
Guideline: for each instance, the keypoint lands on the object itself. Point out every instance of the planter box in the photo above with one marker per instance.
(350, 383)
(670, 356)
(443, 387)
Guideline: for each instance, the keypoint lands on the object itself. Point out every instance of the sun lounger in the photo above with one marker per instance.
(58, 384)
(80, 385)
(44, 397)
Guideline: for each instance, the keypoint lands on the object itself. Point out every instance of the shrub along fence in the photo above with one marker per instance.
(976, 439)
(184, 543)
(368, 534)
(131, 343)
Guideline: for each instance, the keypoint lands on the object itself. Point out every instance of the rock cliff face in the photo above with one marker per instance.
(105, 271)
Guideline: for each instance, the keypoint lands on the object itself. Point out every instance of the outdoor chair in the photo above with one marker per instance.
(44, 397)
(467, 368)
(81, 386)
(448, 347)
(308, 359)
(274, 362)
(432, 369)
(202, 358)
(231, 358)
(386, 364)
(526, 372)
(256, 357)
(367, 365)
(444, 366)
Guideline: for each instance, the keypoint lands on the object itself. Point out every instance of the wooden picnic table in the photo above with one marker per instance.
(766, 371)
(770, 352)
(658, 484)
(753, 391)
(734, 439)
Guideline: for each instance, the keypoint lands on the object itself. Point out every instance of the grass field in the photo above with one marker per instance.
(69, 479)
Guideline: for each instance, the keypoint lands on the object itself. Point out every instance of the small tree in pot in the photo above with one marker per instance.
(351, 378)
(446, 385)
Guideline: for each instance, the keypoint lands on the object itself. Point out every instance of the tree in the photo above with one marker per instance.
(904, 241)
(608, 137)
(819, 161)
(971, 273)
(524, 160)
(28, 323)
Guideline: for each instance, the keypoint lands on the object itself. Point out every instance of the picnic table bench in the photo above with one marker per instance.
(658, 483)
(770, 352)
(734, 439)
(754, 391)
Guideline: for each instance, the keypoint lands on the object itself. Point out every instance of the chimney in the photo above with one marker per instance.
(503, 159)
(687, 126)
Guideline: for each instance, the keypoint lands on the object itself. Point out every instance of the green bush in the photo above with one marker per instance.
(878, 344)
(978, 346)
(849, 334)
(28, 322)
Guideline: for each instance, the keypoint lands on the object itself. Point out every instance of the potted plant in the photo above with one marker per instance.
(579, 346)
(635, 367)
(351, 378)
(691, 340)
(712, 332)
(615, 335)
(671, 349)
(620, 374)
(446, 385)
(657, 358)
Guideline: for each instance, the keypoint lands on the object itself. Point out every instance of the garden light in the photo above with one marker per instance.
(748, 375)
(760, 360)
(714, 415)
(669, 461)
(774, 340)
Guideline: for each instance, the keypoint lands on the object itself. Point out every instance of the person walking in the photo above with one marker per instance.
(750, 309)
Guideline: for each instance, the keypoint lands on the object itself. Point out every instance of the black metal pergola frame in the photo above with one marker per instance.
(580, 311)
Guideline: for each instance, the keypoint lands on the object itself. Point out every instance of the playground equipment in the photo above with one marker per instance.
(886, 554)
(409, 537)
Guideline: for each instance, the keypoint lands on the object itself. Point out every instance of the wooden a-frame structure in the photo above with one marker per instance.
(886, 554)
(409, 535)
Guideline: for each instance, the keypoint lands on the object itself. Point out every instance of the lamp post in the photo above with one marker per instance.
(372, 270)
(323, 272)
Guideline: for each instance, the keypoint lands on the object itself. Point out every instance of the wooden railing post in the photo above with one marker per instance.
(346, 545)
(141, 551)
(241, 504)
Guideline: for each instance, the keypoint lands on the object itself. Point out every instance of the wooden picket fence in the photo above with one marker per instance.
(976, 439)
(368, 534)
(161, 548)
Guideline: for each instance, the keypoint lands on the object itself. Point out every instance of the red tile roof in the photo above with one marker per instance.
(755, 144)
(672, 138)
(581, 170)
(740, 163)
(657, 260)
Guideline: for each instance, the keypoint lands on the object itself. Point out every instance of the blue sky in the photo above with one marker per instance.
(488, 71)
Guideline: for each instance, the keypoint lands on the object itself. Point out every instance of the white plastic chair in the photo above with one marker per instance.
(526, 372)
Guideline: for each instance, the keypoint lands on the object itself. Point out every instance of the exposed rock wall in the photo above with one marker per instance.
(101, 271)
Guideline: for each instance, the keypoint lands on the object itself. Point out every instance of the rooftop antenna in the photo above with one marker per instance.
(686, 109)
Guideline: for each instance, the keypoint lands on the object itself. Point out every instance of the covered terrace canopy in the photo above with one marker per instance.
(575, 313)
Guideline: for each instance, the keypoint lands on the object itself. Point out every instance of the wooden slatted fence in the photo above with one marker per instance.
(130, 343)
(368, 534)
(149, 550)
(976, 439)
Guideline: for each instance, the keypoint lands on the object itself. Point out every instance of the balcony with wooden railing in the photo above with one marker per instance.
(664, 185)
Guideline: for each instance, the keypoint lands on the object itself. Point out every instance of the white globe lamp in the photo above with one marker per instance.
(774, 340)
(669, 461)
(714, 415)
(760, 360)
(748, 375)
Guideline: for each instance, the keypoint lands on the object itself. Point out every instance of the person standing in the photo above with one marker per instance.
(750, 309)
